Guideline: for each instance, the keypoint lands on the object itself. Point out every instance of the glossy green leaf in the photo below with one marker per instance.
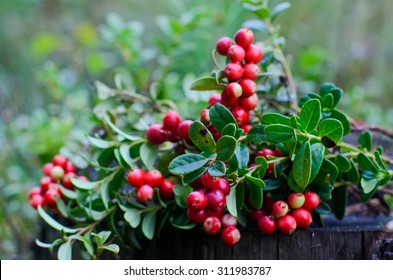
(43, 244)
(340, 201)
(302, 165)
(84, 185)
(53, 223)
(273, 184)
(148, 154)
(331, 132)
(379, 159)
(120, 132)
(275, 118)
(132, 216)
(257, 134)
(327, 173)
(191, 177)
(126, 156)
(229, 129)
(327, 102)
(202, 137)
(86, 243)
(279, 9)
(279, 132)
(343, 163)
(100, 143)
(226, 147)
(186, 163)
(323, 208)
(65, 251)
(255, 188)
(206, 83)
(292, 183)
(114, 248)
(69, 194)
(105, 193)
(217, 169)
(240, 190)
(368, 188)
(294, 121)
(231, 202)
(338, 115)
(220, 116)
(366, 163)
(317, 154)
(337, 93)
(310, 115)
(149, 224)
(365, 140)
(62, 207)
(242, 156)
(353, 174)
(181, 193)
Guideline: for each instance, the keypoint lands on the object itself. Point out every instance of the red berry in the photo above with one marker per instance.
(224, 186)
(257, 214)
(212, 225)
(268, 202)
(145, 194)
(45, 182)
(286, 224)
(230, 235)
(34, 191)
(216, 134)
(236, 53)
(253, 54)
(155, 134)
(296, 200)
(50, 197)
(241, 116)
(215, 98)
(244, 37)
(228, 220)
(249, 103)
(197, 183)
(166, 190)
(249, 87)
(136, 178)
(171, 120)
(223, 45)
(196, 217)
(205, 116)
(251, 71)
(70, 168)
(47, 168)
(227, 99)
(60, 160)
(234, 90)
(280, 208)
(267, 225)
(311, 201)
(36, 200)
(196, 201)
(270, 173)
(246, 128)
(303, 217)
(183, 128)
(57, 173)
(216, 200)
(66, 181)
(277, 153)
(218, 214)
(233, 71)
(154, 178)
(209, 182)
(265, 152)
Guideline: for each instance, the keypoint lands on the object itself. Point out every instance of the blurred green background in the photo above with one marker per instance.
(51, 52)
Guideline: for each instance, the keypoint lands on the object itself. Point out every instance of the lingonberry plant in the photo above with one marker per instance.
(254, 157)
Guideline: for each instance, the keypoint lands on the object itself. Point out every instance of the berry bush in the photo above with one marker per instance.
(256, 156)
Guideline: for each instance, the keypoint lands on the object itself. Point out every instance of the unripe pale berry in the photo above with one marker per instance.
(155, 134)
(286, 224)
(228, 220)
(212, 225)
(234, 90)
(223, 45)
(311, 201)
(57, 172)
(267, 225)
(296, 200)
(303, 217)
(196, 217)
(230, 235)
(145, 194)
(196, 201)
(216, 200)
(249, 103)
(171, 120)
(244, 37)
(280, 208)
(233, 71)
(248, 86)
(253, 54)
(154, 178)
(236, 53)
(136, 178)
(251, 71)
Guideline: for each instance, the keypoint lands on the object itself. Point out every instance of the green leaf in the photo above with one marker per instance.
(368, 188)
(184, 227)
(310, 114)
(206, 83)
(60, 204)
(273, 184)
(226, 147)
(72, 195)
(149, 155)
(125, 154)
(337, 93)
(338, 115)
(255, 188)
(278, 9)
(101, 144)
(327, 173)
(242, 156)
(340, 201)
(132, 216)
(365, 141)
(366, 163)
(274, 118)
(302, 165)
(317, 154)
(239, 196)
(327, 102)
(149, 224)
(343, 163)
(84, 185)
(279, 132)
(257, 134)
(353, 174)
(191, 177)
(181, 193)
(65, 251)
(264, 166)
(323, 208)
(220, 116)
(217, 169)
(331, 132)
(114, 248)
(379, 159)
(229, 129)
(119, 131)
(105, 193)
(42, 244)
(86, 243)
(231, 202)
(294, 121)
(202, 137)
(53, 223)
(187, 163)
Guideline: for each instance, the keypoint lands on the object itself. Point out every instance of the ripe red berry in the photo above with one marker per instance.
(47, 168)
(251, 71)
(228, 220)
(215, 98)
(70, 168)
(171, 120)
(280, 208)
(233, 71)
(218, 214)
(183, 129)
(249, 87)
(155, 134)
(270, 172)
(228, 100)
(267, 225)
(66, 181)
(216, 200)
(234, 90)
(244, 37)
(212, 225)
(34, 191)
(136, 178)
(296, 200)
(241, 116)
(196, 217)
(196, 201)
(57, 173)
(197, 183)
(45, 182)
(205, 116)
(249, 103)
(60, 160)
(236, 53)
(209, 182)
(277, 153)
(50, 197)
(253, 54)
(303, 217)
(230, 235)
(223, 45)
(36, 200)
(256, 214)
(311, 201)
(154, 178)
(265, 152)
(145, 194)
(166, 190)
(286, 224)
(246, 128)
(224, 186)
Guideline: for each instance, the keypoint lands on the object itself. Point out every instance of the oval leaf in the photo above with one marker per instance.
(257, 134)
(231, 202)
(317, 154)
(310, 114)
(53, 223)
(340, 201)
(226, 147)
(149, 224)
(274, 118)
(279, 132)
(83, 185)
(187, 163)
(201, 137)
(206, 83)
(255, 188)
(220, 116)
(191, 177)
(100, 143)
(229, 129)
(302, 165)
(217, 169)
(65, 251)
(331, 132)
(149, 155)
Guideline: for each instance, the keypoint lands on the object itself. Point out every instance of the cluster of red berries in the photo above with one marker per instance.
(172, 129)
(266, 153)
(286, 216)
(241, 71)
(145, 182)
(206, 205)
(59, 171)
